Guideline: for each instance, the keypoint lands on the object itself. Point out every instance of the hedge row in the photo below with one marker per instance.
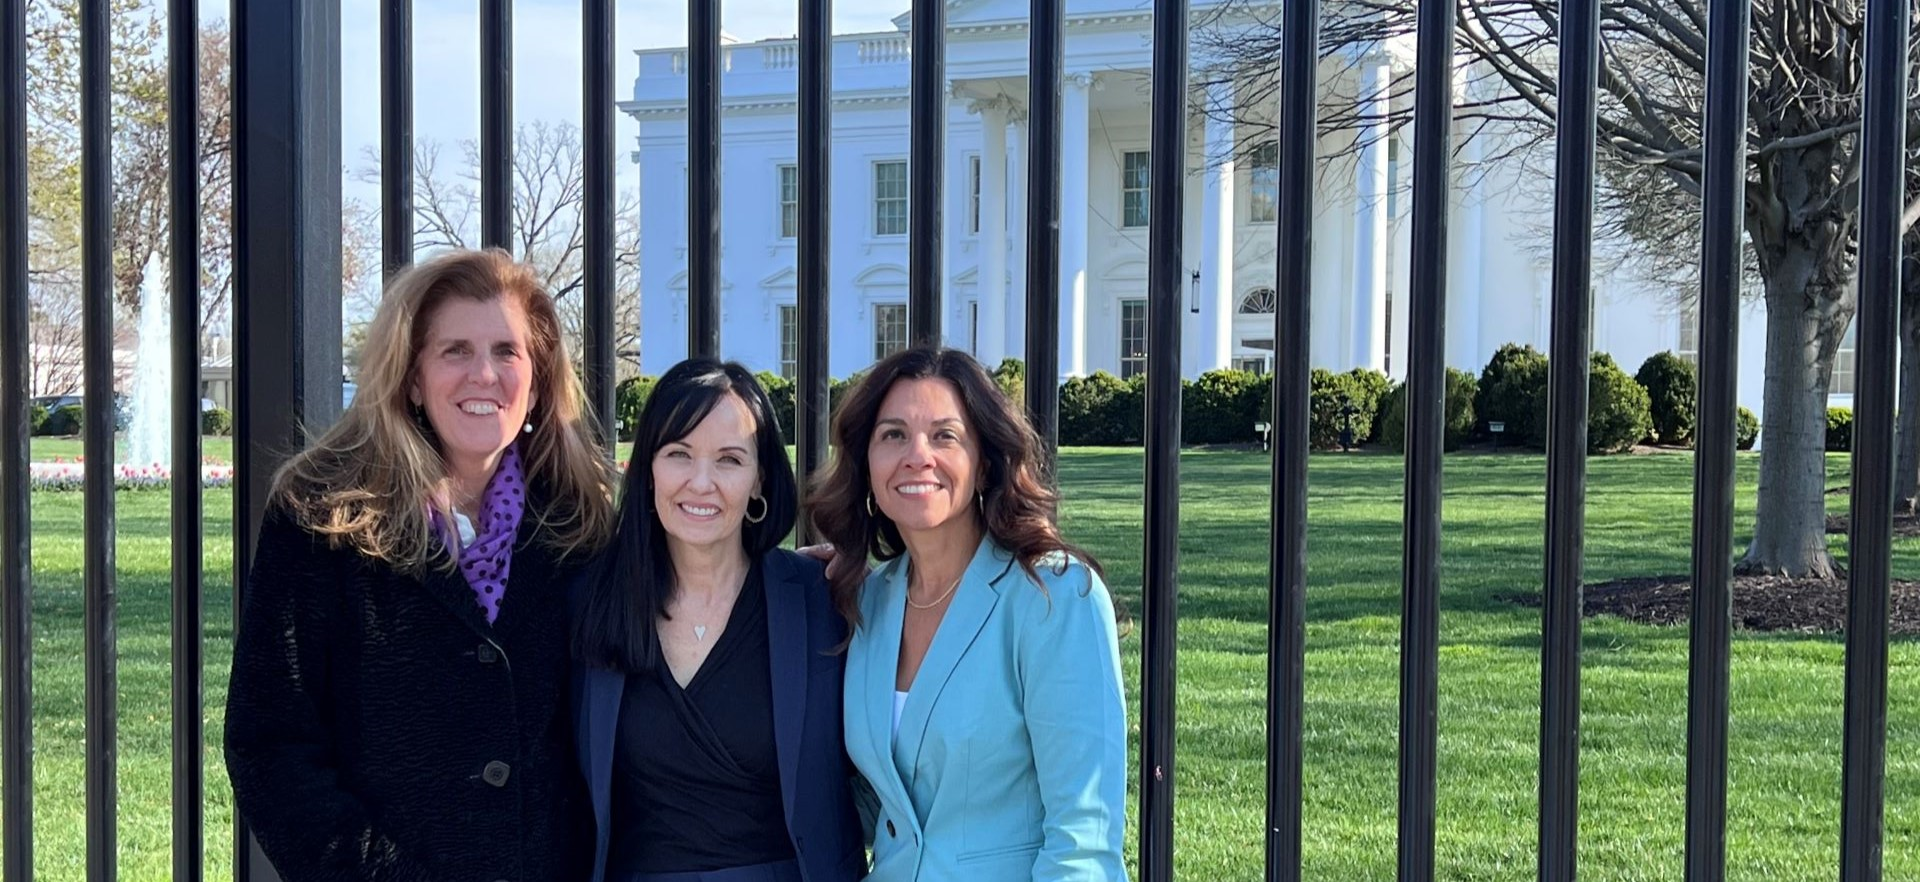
(1355, 407)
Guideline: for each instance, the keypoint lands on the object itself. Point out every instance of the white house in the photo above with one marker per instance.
(1498, 286)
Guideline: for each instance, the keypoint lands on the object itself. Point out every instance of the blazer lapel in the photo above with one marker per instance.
(787, 654)
(600, 701)
(973, 603)
(881, 619)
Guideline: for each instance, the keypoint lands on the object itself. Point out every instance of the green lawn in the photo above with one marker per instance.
(1786, 727)
(213, 448)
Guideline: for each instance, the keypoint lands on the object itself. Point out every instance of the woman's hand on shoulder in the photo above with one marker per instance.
(827, 554)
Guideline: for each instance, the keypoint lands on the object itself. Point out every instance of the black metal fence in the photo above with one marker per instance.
(286, 62)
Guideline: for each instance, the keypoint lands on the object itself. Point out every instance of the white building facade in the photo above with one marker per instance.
(1498, 274)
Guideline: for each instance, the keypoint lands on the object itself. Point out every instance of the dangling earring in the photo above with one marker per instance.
(527, 429)
(763, 509)
(870, 512)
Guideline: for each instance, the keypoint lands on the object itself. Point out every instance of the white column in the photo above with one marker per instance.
(1370, 221)
(1074, 208)
(992, 285)
(1212, 335)
(1015, 329)
(1466, 259)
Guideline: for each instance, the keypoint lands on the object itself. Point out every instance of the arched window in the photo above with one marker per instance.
(1260, 302)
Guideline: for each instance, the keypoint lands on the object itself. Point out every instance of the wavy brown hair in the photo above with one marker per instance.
(1019, 507)
(368, 482)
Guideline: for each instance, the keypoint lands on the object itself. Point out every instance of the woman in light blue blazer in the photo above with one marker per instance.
(983, 699)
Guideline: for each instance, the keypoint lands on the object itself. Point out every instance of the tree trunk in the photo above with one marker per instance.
(1906, 469)
(1806, 317)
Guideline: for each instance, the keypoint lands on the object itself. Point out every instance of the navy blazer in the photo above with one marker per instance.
(803, 631)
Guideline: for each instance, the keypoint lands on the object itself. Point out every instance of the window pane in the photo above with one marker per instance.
(1134, 178)
(789, 202)
(789, 342)
(889, 198)
(1264, 184)
(1133, 338)
(973, 165)
(889, 329)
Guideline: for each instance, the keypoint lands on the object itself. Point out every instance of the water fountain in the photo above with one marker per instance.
(148, 441)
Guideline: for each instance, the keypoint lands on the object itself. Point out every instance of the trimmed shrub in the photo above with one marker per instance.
(1328, 395)
(1840, 429)
(36, 420)
(1369, 393)
(1513, 390)
(1618, 415)
(1392, 430)
(1011, 377)
(780, 391)
(1220, 407)
(1746, 429)
(1089, 412)
(629, 397)
(1670, 384)
(216, 421)
(66, 420)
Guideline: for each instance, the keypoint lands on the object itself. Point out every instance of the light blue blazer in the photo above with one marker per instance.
(1011, 758)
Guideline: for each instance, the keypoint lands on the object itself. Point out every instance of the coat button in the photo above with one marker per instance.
(890, 829)
(487, 654)
(496, 773)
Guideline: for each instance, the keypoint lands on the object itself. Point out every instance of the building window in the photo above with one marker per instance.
(1393, 177)
(889, 329)
(890, 198)
(1687, 347)
(789, 341)
(1260, 301)
(1256, 364)
(1133, 338)
(1263, 184)
(1134, 178)
(1843, 364)
(789, 201)
(973, 327)
(973, 175)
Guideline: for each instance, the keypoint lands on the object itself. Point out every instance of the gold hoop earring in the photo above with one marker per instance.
(763, 509)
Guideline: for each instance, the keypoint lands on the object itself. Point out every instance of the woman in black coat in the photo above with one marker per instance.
(398, 709)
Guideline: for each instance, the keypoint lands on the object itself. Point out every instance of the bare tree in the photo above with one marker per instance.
(548, 229)
(1803, 168)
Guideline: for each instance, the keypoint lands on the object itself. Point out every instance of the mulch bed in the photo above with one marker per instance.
(1760, 603)
(1905, 526)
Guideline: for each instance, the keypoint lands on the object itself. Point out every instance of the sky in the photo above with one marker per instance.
(546, 62)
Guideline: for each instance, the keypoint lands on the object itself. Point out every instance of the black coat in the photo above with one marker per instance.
(378, 728)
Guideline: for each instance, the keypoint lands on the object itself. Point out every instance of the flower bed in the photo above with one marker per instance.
(62, 476)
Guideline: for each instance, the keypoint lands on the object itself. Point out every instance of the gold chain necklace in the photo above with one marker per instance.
(936, 601)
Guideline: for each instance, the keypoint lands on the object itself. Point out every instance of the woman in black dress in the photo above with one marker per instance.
(708, 691)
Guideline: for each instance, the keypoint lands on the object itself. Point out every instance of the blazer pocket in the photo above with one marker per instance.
(998, 853)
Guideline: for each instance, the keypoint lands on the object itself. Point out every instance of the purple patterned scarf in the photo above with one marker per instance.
(486, 560)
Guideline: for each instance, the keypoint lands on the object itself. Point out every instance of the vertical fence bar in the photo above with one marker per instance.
(496, 124)
(1046, 50)
(189, 736)
(1292, 330)
(1567, 442)
(1724, 147)
(1870, 541)
(926, 143)
(396, 136)
(703, 177)
(597, 204)
(286, 248)
(811, 400)
(96, 283)
(1426, 416)
(1165, 275)
(16, 575)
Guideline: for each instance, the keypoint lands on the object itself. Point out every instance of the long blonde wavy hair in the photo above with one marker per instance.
(369, 481)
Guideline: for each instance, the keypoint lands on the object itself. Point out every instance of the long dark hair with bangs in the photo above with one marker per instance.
(1019, 507)
(630, 583)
